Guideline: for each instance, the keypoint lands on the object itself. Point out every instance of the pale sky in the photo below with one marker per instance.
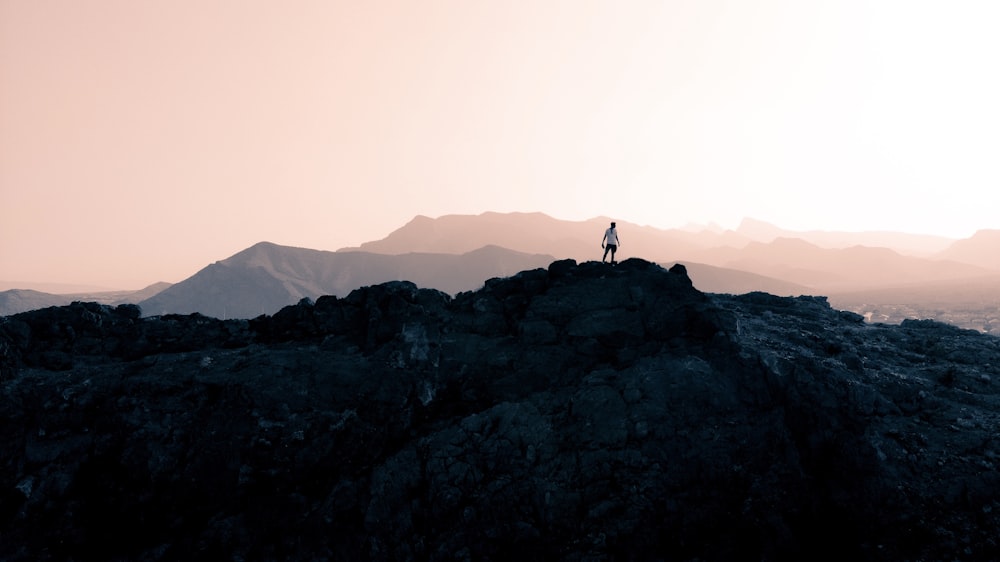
(141, 140)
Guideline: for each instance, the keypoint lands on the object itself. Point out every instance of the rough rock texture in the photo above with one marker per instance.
(583, 412)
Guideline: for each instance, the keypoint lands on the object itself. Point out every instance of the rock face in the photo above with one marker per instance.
(579, 412)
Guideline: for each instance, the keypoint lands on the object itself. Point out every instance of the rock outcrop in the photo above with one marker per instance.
(579, 412)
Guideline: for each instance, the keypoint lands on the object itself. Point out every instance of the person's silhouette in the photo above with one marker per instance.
(611, 238)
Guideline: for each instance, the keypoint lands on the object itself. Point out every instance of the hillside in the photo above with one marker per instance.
(13, 301)
(827, 270)
(806, 262)
(537, 232)
(266, 277)
(980, 249)
(712, 279)
(574, 412)
(900, 275)
(921, 245)
(885, 276)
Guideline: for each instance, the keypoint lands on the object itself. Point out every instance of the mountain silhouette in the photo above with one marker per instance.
(266, 277)
(454, 253)
(828, 270)
(538, 232)
(712, 279)
(14, 301)
(905, 273)
(982, 249)
(820, 262)
(923, 245)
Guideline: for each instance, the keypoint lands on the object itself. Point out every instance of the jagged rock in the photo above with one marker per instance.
(580, 412)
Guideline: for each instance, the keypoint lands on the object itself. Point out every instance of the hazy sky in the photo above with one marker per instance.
(141, 140)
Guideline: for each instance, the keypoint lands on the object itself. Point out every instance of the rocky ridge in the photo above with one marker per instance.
(578, 412)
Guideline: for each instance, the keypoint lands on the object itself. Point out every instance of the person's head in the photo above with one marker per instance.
(612, 225)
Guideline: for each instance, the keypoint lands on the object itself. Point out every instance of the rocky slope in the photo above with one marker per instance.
(578, 412)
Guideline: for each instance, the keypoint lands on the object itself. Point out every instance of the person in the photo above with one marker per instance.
(611, 237)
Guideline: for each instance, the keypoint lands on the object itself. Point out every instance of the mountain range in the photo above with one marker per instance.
(266, 277)
(861, 271)
(13, 301)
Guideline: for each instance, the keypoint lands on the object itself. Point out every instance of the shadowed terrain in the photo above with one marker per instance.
(575, 412)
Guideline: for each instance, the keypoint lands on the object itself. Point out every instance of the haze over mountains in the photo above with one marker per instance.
(578, 239)
(878, 274)
(266, 277)
(13, 301)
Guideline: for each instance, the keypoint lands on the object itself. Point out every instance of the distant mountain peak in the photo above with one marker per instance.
(267, 276)
(982, 249)
(792, 242)
(987, 234)
(759, 230)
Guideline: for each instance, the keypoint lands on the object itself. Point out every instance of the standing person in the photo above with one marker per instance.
(611, 237)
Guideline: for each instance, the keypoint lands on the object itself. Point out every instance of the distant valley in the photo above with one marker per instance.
(885, 276)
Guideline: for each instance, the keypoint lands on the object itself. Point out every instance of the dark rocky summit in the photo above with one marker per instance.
(583, 412)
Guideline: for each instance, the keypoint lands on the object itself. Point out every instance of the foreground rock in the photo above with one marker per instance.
(581, 412)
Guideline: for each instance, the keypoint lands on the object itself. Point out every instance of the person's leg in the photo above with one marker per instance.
(605, 257)
(613, 250)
